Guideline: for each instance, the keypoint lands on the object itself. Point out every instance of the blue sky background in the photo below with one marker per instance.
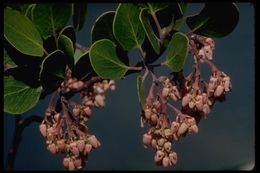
(226, 139)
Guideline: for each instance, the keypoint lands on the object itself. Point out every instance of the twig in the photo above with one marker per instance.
(17, 137)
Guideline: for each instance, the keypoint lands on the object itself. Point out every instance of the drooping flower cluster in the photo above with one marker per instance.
(66, 132)
(197, 99)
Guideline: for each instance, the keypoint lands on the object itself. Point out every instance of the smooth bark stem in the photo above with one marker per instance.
(17, 137)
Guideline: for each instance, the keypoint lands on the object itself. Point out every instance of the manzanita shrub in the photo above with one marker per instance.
(41, 57)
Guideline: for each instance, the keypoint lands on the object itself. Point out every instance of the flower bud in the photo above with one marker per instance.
(154, 118)
(219, 91)
(193, 129)
(227, 84)
(186, 99)
(191, 104)
(147, 139)
(167, 132)
(66, 161)
(199, 105)
(174, 126)
(208, 52)
(43, 129)
(52, 148)
(166, 162)
(87, 149)
(100, 100)
(167, 146)
(183, 129)
(74, 86)
(165, 92)
(74, 149)
(87, 111)
(206, 109)
(100, 90)
(57, 116)
(89, 103)
(111, 82)
(158, 156)
(77, 163)
(93, 141)
(173, 157)
(212, 83)
(204, 98)
(147, 113)
(113, 87)
(70, 81)
(210, 42)
(81, 145)
(176, 92)
(161, 142)
(154, 143)
(71, 165)
(202, 53)
(76, 111)
(173, 96)
(80, 85)
(61, 145)
(50, 131)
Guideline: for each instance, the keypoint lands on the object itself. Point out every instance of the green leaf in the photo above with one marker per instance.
(104, 60)
(20, 32)
(21, 7)
(127, 27)
(52, 71)
(179, 20)
(177, 52)
(154, 7)
(167, 17)
(78, 53)
(79, 14)
(82, 66)
(19, 97)
(51, 18)
(69, 31)
(155, 42)
(140, 91)
(102, 27)
(66, 45)
(8, 61)
(213, 23)
(29, 11)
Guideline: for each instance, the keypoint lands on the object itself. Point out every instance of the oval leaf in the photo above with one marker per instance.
(69, 31)
(66, 45)
(21, 33)
(140, 91)
(82, 67)
(104, 60)
(179, 19)
(51, 18)
(52, 71)
(155, 42)
(177, 51)
(127, 27)
(79, 14)
(210, 22)
(19, 97)
(102, 27)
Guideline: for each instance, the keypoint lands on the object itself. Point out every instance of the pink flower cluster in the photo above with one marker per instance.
(197, 99)
(67, 133)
